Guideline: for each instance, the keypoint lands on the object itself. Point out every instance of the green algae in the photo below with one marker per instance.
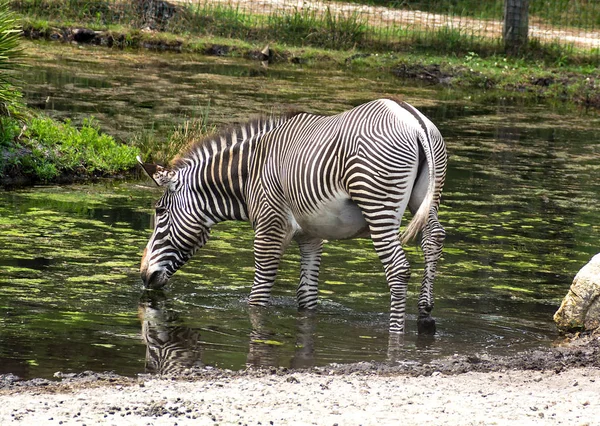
(520, 212)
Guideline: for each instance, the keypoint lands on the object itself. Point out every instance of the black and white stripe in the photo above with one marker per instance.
(170, 349)
(308, 177)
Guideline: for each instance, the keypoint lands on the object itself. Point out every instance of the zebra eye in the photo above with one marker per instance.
(160, 211)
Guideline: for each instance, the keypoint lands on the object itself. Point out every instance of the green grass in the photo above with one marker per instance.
(305, 27)
(43, 149)
(159, 150)
(38, 149)
(9, 55)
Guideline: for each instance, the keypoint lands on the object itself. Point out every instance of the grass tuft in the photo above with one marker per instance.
(158, 150)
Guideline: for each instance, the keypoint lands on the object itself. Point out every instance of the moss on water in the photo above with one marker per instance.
(515, 237)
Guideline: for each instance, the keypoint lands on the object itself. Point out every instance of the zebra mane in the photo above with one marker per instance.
(226, 137)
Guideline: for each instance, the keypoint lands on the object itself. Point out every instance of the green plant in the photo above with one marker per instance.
(9, 131)
(153, 148)
(9, 53)
(46, 149)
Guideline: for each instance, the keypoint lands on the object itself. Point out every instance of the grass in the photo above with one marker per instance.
(43, 150)
(306, 27)
(9, 55)
(162, 151)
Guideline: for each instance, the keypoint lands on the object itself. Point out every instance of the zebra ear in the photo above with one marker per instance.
(159, 174)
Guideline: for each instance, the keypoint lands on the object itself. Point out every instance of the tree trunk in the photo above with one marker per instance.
(516, 25)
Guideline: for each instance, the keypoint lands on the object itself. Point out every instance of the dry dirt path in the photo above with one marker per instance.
(412, 19)
(519, 398)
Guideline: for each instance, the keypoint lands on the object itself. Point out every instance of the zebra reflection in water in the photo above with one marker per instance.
(171, 349)
(264, 350)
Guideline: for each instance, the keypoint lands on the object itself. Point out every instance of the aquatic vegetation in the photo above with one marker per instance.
(520, 211)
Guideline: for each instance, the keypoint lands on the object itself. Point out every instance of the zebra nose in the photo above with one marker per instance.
(153, 280)
(144, 276)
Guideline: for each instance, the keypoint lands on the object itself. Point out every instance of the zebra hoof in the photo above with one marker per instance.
(426, 325)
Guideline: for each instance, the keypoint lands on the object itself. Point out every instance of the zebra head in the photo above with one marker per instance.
(179, 231)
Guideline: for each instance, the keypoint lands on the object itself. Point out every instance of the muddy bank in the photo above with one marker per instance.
(137, 39)
(552, 84)
(580, 89)
(581, 352)
(557, 386)
(14, 178)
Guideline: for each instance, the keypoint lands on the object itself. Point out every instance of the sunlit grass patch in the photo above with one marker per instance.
(47, 149)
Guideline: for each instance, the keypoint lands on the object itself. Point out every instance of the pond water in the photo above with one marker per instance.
(519, 208)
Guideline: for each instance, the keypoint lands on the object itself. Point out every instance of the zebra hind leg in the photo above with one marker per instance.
(432, 243)
(373, 195)
(397, 273)
(310, 251)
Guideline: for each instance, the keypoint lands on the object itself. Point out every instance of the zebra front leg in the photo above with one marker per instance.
(310, 252)
(432, 243)
(268, 249)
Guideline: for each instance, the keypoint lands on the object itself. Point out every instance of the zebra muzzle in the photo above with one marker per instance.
(154, 280)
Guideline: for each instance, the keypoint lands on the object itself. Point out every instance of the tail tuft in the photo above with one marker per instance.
(418, 221)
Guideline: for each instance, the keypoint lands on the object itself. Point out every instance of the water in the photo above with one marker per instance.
(520, 210)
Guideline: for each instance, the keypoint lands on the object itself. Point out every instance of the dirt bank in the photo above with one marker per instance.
(554, 386)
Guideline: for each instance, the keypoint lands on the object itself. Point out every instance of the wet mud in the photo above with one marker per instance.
(580, 352)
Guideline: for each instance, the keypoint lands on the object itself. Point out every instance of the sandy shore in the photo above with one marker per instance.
(514, 397)
(558, 385)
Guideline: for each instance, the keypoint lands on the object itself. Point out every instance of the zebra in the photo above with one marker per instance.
(309, 178)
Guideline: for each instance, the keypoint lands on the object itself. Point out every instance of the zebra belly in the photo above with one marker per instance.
(335, 219)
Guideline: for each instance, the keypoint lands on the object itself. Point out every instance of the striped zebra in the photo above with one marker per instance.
(309, 178)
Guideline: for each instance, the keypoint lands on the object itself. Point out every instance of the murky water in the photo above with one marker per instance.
(520, 210)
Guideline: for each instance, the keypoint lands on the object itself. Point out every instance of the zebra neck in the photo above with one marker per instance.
(221, 182)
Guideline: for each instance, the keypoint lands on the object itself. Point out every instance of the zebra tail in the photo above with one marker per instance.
(418, 221)
(421, 217)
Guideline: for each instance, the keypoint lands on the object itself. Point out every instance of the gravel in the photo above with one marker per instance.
(306, 398)
(556, 386)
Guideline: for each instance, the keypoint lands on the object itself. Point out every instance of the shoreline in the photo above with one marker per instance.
(307, 399)
(576, 85)
(555, 386)
(574, 351)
